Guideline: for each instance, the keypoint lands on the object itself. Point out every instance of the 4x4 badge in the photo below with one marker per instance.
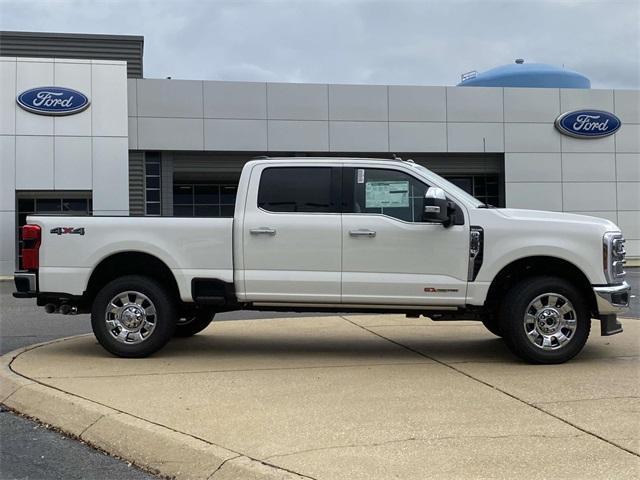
(67, 230)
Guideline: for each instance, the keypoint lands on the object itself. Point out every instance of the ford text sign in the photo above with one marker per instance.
(588, 123)
(53, 101)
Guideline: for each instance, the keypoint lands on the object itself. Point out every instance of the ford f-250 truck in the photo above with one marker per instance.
(334, 234)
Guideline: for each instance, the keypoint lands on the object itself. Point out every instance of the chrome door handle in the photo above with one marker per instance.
(362, 233)
(263, 231)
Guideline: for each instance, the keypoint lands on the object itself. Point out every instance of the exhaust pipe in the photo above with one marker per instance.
(66, 309)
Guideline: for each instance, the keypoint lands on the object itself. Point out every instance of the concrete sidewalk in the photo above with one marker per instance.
(359, 397)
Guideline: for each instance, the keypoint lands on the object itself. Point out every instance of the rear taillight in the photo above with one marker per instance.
(31, 236)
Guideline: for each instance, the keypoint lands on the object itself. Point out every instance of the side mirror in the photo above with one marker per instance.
(437, 209)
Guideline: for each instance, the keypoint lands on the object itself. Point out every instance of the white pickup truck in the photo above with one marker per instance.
(334, 234)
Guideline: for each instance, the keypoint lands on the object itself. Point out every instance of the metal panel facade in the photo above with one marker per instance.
(74, 45)
(83, 152)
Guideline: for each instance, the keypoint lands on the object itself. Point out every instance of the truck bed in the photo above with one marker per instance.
(191, 247)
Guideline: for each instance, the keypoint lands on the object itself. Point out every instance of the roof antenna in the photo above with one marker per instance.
(395, 157)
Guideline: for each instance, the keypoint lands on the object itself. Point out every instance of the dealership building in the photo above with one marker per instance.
(140, 146)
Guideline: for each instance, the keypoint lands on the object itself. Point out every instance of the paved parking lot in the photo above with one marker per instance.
(587, 400)
(368, 397)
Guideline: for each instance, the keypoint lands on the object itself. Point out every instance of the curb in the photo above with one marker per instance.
(126, 436)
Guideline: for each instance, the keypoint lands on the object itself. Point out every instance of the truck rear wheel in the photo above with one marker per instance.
(133, 316)
(193, 323)
(545, 320)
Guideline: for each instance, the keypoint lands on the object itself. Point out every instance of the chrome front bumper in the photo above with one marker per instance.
(612, 299)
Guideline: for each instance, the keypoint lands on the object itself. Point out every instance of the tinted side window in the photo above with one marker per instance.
(297, 189)
(388, 192)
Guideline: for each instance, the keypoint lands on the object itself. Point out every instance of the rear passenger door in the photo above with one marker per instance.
(292, 234)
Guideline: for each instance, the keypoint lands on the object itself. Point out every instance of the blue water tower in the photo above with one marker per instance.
(526, 75)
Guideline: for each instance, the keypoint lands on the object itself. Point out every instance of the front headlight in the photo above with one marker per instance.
(613, 254)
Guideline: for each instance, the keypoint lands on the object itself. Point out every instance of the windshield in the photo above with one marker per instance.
(454, 189)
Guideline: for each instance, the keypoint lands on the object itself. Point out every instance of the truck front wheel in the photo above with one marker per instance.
(545, 320)
(133, 316)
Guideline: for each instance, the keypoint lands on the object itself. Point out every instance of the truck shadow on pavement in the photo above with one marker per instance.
(222, 351)
(308, 350)
(337, 340)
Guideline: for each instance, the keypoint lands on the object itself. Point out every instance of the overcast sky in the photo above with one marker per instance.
(355, 41)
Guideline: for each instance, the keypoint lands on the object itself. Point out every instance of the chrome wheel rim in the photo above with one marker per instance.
(550, 321)
(130, 317)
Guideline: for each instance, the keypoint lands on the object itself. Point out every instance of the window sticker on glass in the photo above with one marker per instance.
(387, 194)
(361, 175)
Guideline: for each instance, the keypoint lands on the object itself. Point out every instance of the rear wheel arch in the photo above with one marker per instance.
(130, 263)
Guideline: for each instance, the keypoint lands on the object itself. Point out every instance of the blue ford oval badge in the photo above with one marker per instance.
(588, 123)
(53, 101)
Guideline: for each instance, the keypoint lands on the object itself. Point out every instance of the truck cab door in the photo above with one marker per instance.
(390, 255)
(291, 234)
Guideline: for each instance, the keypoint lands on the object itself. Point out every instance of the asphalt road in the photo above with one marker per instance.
(30, 451)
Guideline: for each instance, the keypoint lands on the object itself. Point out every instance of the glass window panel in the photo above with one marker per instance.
(152, 168)
(227, 210)
(206, 194)
(492, 189)
(153, 195)
(26, 204)
(182, 194)
(207, 211)
(228, 194)
(78, 205)
(486, 188)
(153, 182)
(296, 189)
(389, 192)
(153, 209)
(465, 183)
(479, 188)
(45, 205)
(183, 211)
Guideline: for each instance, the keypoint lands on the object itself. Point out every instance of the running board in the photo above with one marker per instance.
(350, 306)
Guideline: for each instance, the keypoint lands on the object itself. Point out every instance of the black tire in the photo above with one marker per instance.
(163, 322)
(194, 323)
(491, 323)
(512, 320)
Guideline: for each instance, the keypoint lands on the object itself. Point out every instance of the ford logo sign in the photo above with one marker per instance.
(53, 101)
(588, 123)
